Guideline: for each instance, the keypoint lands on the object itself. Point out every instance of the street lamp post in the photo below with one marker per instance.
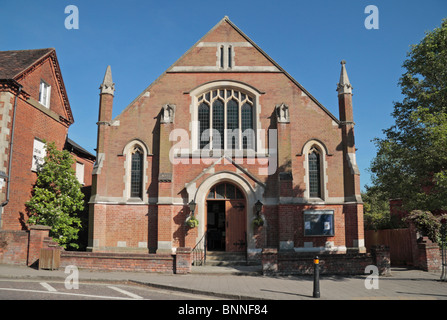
(192, 207)
(443, 243)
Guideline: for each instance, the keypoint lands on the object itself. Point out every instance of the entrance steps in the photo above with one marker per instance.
(222, 258)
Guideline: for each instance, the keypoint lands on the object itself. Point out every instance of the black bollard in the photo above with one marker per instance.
(316, 293)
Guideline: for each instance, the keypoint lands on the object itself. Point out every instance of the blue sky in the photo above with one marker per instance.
(141, 39)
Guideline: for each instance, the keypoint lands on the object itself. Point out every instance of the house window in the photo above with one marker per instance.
(225, 120)
(80, 172)
(136, 175)
(44, 94)
(319, 223)
(314, 174)
(39, 153)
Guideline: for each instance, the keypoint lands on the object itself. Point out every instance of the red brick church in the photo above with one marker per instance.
(227, 137)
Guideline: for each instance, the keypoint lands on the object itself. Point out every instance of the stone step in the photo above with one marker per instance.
(221, 258)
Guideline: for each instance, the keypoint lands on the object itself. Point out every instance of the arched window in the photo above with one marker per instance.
(136, 174)
(225, 191)
(218, 124)
(247, 126)
(314, 174)
(226, 120)
(204, 124)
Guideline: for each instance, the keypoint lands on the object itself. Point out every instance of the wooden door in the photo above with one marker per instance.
(236, 226)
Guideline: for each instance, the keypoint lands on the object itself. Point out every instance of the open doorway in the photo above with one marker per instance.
(226, 219)
(216, 225)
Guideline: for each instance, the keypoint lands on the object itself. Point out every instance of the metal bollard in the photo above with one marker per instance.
(316, 293)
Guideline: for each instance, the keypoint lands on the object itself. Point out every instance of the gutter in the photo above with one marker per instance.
(11, 144)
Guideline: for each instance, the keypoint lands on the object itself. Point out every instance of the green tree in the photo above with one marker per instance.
(57, 197)
(376, 211)
(411, 161)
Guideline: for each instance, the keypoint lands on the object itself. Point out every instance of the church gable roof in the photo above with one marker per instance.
(13, 63)
(222, 36)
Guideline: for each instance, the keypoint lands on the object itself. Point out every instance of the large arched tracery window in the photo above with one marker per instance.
(225, 120)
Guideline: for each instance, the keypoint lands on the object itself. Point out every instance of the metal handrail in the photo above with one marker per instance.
(199, 252)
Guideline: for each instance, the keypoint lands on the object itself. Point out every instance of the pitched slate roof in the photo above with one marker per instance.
(70, 145)
(13, 63)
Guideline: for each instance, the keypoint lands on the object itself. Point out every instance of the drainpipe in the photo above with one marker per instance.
(10, 153)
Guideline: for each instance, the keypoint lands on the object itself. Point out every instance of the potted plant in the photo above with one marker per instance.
(258, 221)
(192, 222)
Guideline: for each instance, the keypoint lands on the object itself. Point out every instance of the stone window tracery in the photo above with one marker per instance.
(226, 120)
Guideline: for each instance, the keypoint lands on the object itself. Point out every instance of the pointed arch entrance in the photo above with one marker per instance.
(226, 218)
(199, 192)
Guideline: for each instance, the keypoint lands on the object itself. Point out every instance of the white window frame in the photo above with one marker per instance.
(44, 94)
(39, 153)
(80, 172)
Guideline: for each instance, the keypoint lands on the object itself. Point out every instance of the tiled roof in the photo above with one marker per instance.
(13, 63)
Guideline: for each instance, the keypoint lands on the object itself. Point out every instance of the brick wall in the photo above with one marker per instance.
(119, 262)
(179, 263)
(141, 120)
(429, 255)
(13, 247)
(289, 262)
(20, 247)
(23, 247)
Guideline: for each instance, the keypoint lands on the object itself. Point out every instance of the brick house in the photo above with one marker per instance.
(227, 136)
(33, 107)
(84, 162)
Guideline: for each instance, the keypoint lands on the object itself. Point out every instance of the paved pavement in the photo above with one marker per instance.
(247, 283)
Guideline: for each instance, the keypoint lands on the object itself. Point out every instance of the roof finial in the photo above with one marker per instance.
(344, 86)
(107, 85)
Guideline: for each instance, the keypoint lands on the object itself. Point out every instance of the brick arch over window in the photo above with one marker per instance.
(135, 167)
(314, 154)
(226, 114)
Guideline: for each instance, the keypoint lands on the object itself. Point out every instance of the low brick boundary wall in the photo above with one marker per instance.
(14, 247)
(163, 263)
(275, 261)
(179, 263)
(24, 248)
(428, 255)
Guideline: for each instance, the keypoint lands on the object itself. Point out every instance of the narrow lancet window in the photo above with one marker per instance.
(314, 174)
(136, 177)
